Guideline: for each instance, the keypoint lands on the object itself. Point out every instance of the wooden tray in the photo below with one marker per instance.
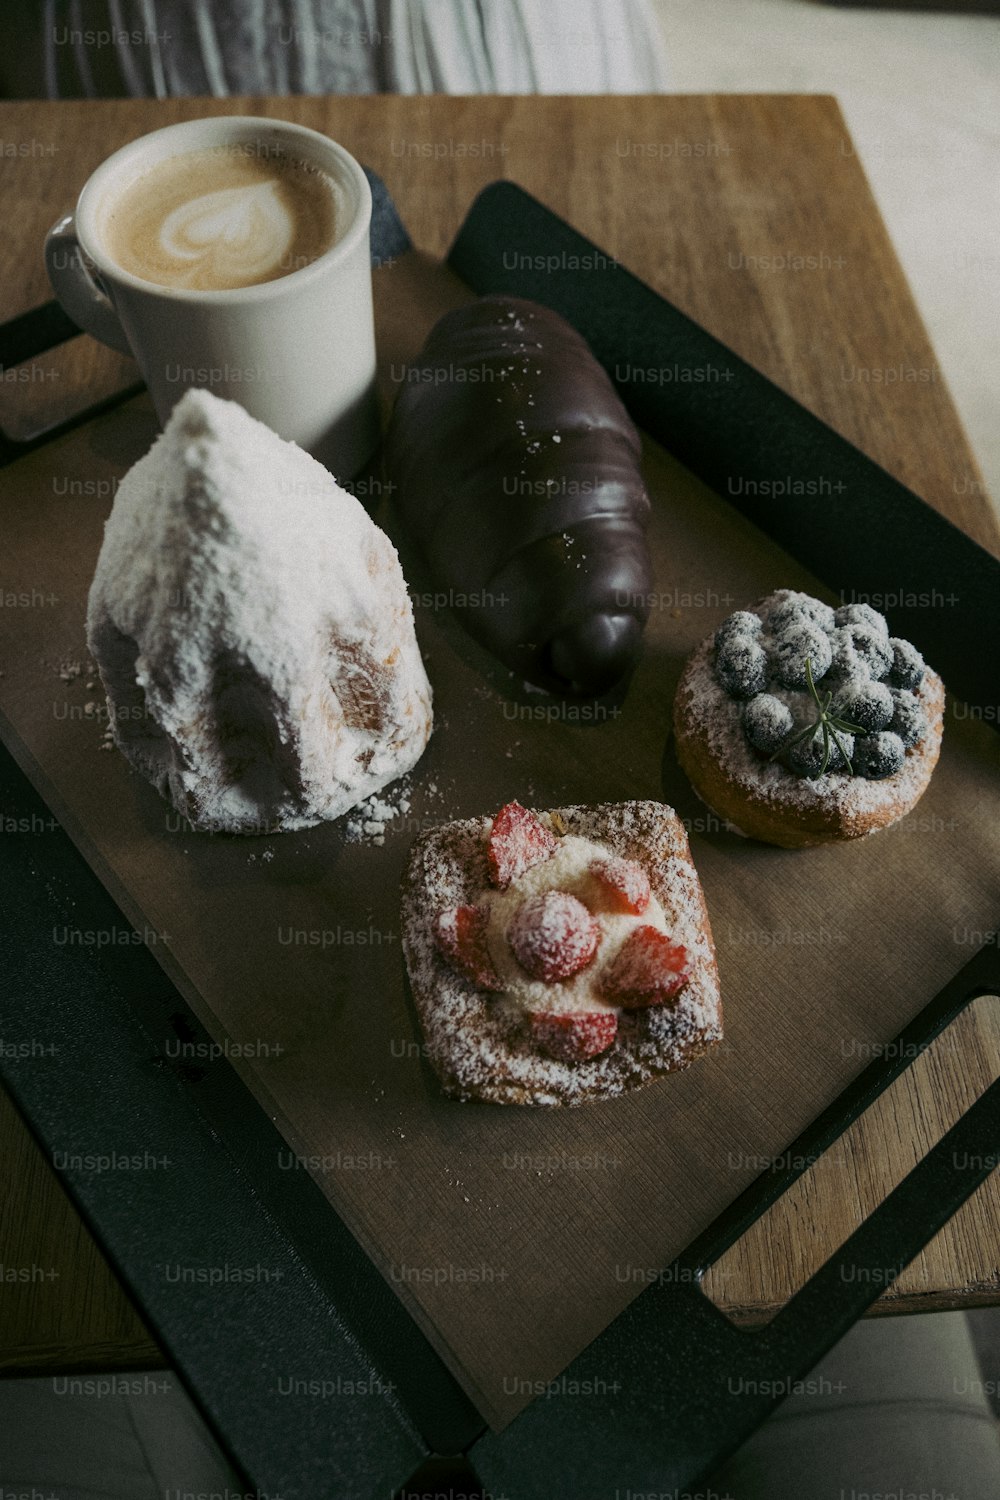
(513, 1236)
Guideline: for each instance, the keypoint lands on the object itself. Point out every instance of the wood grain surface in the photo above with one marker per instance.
(752, 215)
(61, 1306)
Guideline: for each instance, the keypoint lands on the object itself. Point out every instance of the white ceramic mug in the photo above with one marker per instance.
(297, 352)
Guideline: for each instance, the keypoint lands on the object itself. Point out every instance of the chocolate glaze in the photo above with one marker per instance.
(517, 471)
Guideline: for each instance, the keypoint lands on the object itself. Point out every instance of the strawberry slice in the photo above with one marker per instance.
(574, 1037)
(460, 935)
(517, 841)
(624, 884)
(647, 970)
(553, 936)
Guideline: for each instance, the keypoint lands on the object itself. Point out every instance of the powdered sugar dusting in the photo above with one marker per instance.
(371, 818)
(253, 630)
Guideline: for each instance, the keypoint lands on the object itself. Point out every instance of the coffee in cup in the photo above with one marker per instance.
(231, 254)
(223, 217)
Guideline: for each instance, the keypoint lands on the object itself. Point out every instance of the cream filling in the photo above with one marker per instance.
(566, 870)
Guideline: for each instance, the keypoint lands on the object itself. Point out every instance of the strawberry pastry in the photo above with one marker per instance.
(560, 957)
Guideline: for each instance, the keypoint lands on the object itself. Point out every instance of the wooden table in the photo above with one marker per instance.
(753, 215)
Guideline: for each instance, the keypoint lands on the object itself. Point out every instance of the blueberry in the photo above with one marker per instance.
(741, 667)
(796, 607)
(796, 642)
(821, 614)
(908, 718)
(908, 668)
(877, 756)
(742, 623)
(806, 757)
(767, 723)
(787, 614)
(867, 704)
(855, 644)
(862, 614)
(836, 761)
(847, 665)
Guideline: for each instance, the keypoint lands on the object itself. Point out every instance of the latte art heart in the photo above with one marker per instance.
(223, 218)
(240, 233)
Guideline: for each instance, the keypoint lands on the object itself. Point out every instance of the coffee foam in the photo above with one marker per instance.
(223, 218)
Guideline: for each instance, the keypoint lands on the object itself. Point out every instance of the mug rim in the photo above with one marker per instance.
(90, 241)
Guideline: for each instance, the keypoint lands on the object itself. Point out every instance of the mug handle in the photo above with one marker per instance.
(78, 289)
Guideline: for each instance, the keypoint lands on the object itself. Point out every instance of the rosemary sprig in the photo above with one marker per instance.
(831, 725)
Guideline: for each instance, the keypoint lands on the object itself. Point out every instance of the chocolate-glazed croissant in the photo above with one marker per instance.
(517, 470)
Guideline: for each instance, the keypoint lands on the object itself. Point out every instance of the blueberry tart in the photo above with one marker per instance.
(802, 724)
